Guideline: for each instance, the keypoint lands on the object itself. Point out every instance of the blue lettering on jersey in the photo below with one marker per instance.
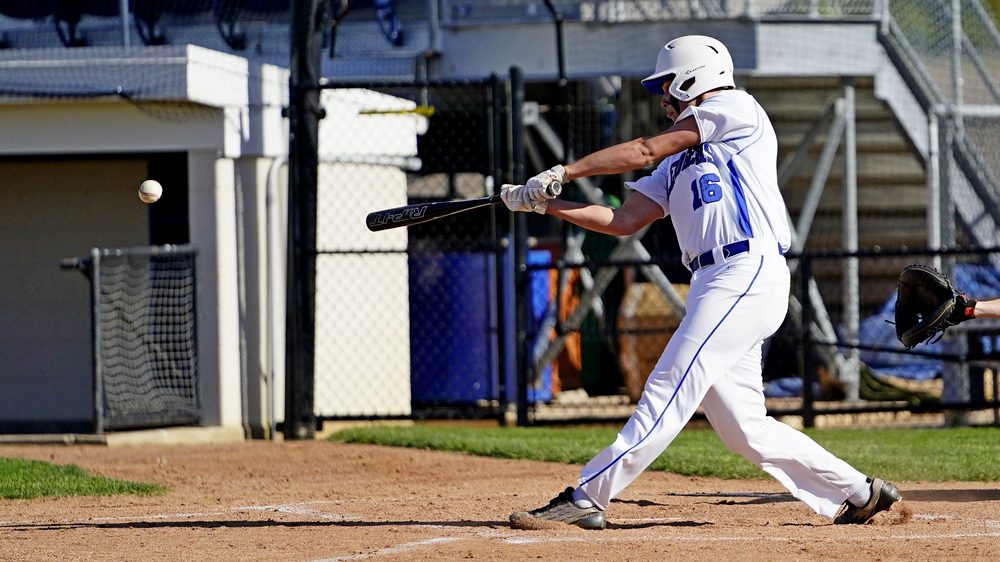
(695, 155)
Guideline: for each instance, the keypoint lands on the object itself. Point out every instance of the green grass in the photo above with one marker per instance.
(25, 479)
(953, 454)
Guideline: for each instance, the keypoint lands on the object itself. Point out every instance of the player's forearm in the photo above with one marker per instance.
(616, 159)
(988, 309)
(635, 154)
(597, 218)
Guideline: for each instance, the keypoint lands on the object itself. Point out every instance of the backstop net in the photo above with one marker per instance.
(145, 346)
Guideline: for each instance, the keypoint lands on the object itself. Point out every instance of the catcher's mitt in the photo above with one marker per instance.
(927, 303)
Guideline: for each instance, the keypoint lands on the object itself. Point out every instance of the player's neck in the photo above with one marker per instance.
(701, 99)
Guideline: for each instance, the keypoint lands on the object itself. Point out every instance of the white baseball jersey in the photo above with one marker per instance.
(724, 192)
(726, 189)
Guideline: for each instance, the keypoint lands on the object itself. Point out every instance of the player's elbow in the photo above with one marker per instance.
(623, 224)
(644, 153)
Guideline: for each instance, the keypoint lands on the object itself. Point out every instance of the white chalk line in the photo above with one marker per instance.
(738, 538)
(390, 550)
(291, 508)
(519, 539)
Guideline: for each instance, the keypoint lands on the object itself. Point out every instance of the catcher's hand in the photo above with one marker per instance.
(927, 303)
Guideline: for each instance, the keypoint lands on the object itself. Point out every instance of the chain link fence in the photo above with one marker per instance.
(409, 321)
(868, 187)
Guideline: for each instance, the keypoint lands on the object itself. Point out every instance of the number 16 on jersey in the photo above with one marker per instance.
(706, 189)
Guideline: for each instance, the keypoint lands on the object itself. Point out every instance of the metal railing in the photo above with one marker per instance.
(473, 12)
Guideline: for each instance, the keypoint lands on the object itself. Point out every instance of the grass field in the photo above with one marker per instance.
(936, 455)
(27, 479)
(930, 455)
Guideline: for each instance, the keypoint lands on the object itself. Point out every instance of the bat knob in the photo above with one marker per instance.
(554, 188)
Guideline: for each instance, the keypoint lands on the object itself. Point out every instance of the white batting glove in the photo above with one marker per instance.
(519, 198)
(541, 182)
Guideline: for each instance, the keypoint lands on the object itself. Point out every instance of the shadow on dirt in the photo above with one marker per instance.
(236, 524)
(648, 524)
(958, 496)
(724, 498)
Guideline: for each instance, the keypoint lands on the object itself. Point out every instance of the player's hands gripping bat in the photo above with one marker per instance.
(535, 194)
(926, 304)
(410, 215)
(555, 174)
(526, 199)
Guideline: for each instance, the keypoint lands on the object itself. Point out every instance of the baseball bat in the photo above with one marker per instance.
(410, 215)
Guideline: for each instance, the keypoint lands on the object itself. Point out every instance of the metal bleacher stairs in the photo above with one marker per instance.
(890, 176)
(892, 201)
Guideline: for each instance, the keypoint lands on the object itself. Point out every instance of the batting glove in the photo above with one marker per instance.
(519, 198)
(539, 184)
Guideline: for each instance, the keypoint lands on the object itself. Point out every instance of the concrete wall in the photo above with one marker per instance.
(52, 209)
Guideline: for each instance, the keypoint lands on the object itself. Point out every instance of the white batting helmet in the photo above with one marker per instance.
(693, 64)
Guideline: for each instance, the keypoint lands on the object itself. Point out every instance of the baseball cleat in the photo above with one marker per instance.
(884, 494)
(561, 509)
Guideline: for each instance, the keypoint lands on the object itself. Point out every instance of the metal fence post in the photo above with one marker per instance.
(806, 349)
(852, 299)
(502, 232)
(303, 164)
(123, 14)
(95, 327)
(523, 304)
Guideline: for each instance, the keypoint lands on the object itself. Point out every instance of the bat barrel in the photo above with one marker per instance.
(410, 215)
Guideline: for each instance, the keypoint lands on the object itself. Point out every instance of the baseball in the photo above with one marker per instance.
(150, 191)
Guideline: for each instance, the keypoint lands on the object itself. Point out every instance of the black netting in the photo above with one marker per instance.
(147, 362)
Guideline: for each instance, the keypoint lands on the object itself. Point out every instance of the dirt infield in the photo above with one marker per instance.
(328, 501)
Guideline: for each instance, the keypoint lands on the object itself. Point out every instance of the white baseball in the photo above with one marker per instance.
(150, 191)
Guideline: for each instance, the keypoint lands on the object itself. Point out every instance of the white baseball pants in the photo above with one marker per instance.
(714, 359)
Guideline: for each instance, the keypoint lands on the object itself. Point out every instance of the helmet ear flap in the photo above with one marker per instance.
(668, 80)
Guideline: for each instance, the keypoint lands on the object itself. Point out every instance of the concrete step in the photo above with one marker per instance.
(898, 199)
(363, 37)
(904, 229)
(371, 69)
(880, 168)
(882, 137)
(363, 54)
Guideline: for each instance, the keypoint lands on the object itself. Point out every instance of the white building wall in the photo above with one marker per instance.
(212, 214)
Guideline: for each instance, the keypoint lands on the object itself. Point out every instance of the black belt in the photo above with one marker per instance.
(706, 259)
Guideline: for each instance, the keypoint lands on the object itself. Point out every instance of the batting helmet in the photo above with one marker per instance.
(693, 65)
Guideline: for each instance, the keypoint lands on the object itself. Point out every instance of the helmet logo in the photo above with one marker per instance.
(695, 69)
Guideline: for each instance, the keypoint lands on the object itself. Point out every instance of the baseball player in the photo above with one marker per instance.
(718, 182)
